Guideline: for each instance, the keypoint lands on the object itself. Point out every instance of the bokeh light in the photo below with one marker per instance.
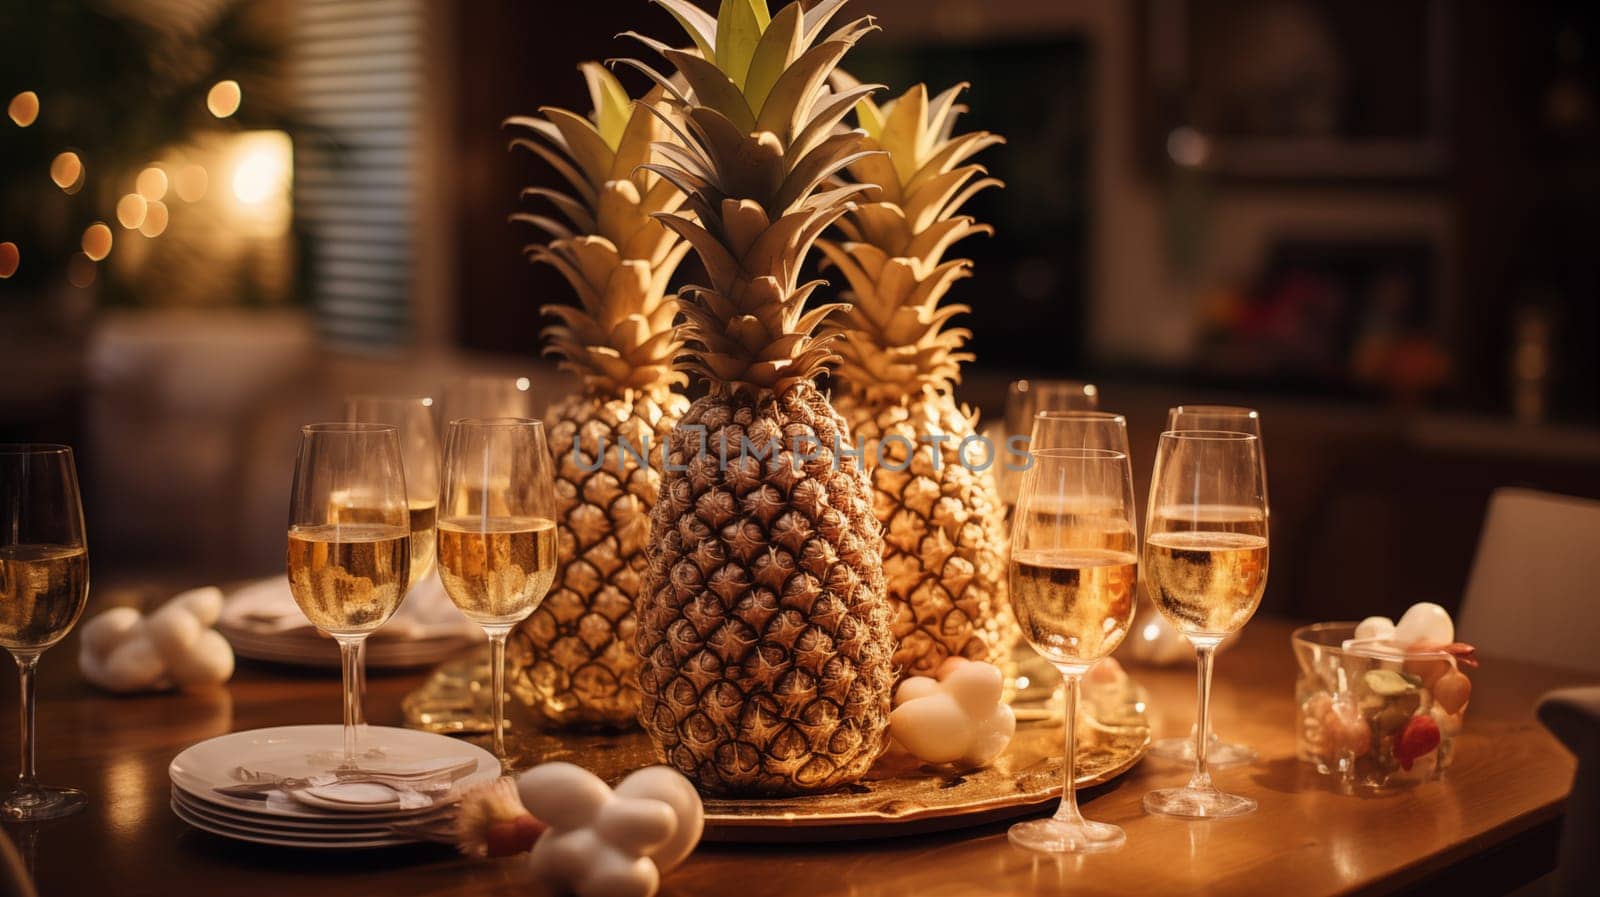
(131, 210)
(24, 108)
(190, 183)
(80, 270)
(10, 258)
(224, 98)
(152, 183)
(97, 241)
(66, 169)
(155, 218)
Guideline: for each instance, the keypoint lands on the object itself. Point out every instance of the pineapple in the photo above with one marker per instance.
(763, 629)
(944, 524)
(573, 661)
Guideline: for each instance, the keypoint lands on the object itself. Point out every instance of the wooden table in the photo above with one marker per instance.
(1490, 825)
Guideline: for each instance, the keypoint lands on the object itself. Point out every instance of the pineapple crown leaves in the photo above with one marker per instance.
(607, 243)
(893, 336)
(757, 154)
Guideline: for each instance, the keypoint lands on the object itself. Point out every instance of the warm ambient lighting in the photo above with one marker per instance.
(130, 210)
(80, 270)
(97, 241)
(155, 218)
(190, 183)
(260, 166)
(24, 108)
(152, 183)
(258, 176)
(223, 98)
(10, 258)
(66, 169)
(523, 383)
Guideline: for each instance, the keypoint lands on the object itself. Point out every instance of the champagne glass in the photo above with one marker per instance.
(412, 417)
(44, 584)
(1024, 400)
(1236, 419)
(349, 555)
(1205, 566)
(497, 532)
(1079, 429)
(1074, 560)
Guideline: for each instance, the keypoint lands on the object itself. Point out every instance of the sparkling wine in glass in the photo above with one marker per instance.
(44, 584)
(1237, 419)
(1205, 567)
(412, 417)
(349, 556)
(497, 532)
(1074, 565)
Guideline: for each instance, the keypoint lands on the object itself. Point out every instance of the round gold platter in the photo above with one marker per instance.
(899, 797)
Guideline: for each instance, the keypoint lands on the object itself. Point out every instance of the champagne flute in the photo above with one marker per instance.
(1074, 563)
(1025, 399)
(349, 556)
(1080, 429)
(497, 532)
(44, 584)
(412, 417)
(1236, 419)
(1206, 571)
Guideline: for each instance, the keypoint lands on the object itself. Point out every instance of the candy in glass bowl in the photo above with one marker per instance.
(1376, 709)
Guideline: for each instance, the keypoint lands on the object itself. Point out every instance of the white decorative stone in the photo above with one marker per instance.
(605, 843)
(124, 651)
(1375, 628)
(957, 718)
(1424, 623)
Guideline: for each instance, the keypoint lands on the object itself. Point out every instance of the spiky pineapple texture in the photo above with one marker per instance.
(573, 660)
(945, 531)
(763, 629)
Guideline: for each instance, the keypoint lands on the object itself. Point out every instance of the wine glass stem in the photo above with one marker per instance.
(350, 660)
(361, 682)
(1205, 655)
(27, 665)
(497, 677)
(1068, 811)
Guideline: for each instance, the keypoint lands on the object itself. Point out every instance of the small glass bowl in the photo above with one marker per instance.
(1368, 714)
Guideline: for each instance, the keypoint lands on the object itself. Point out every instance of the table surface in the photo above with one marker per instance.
(1510, 780)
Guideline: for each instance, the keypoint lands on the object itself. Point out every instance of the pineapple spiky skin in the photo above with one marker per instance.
(764, 640)
(573, 660)
(944, 554)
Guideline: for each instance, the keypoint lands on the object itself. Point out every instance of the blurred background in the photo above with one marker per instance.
(1375, 222)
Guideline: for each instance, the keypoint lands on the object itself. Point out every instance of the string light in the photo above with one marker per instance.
(97, 241)
(155, 218)
(24, 108)
(131, 210)
(10, 258)
(190, 183)
(66, 169)
(152, 183)
(223, 99)
(80, 270)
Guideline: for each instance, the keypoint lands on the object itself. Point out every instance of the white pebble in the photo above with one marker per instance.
(208, 661)
(1375, 628)
(1426, 623)
(106, 631)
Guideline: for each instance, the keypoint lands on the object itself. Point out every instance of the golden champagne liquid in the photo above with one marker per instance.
(1074, 605)
(498, 569)
(42, 592)
(349, 579)
(1206, 583)
(422, 518)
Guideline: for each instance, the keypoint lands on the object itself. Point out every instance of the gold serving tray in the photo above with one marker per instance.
(899, 797)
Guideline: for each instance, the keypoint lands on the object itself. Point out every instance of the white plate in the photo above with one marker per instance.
(284, 840)
(306, 649)
(288, 750)
(288, 830)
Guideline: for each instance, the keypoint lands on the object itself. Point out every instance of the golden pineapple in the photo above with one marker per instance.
(944, 523)
(573, 661)
(763, 630)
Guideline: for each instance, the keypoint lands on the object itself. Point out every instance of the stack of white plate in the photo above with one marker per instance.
(335, 816)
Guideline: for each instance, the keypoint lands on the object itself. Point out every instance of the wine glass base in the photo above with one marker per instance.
(42, 802)
(1064, 836)
(1197, 803)
(1218, 753)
